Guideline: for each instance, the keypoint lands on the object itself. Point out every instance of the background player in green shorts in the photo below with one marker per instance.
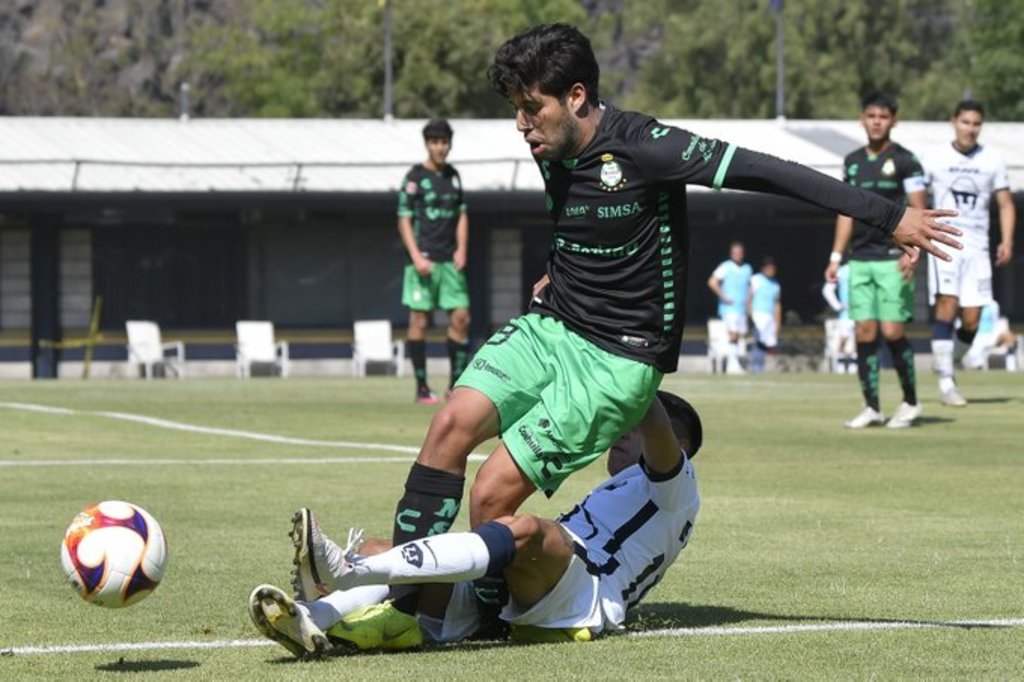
(434, 227)
(881, 276)
(564, 381)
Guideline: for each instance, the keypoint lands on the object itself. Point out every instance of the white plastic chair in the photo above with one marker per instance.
(147, 349)
(256, 343)
(373, 343)
(718, 345)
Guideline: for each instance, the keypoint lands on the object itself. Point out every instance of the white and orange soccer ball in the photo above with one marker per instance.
(114, 554)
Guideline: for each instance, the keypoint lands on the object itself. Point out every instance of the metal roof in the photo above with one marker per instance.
(355, 155)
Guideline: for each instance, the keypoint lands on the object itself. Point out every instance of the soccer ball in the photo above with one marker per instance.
(114, 554)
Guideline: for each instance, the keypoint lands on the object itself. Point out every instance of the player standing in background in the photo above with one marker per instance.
(966, 176)
(765, 304)
(837, 294)
(730, 282)
(881, 276)
(434, 227)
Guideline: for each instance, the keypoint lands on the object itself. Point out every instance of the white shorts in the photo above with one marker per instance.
(765, 328)
(846, 328)
(574, 603)
(461, 618)
(968, 277)
(735, 322)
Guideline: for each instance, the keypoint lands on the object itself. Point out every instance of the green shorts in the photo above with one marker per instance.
(562, 400)
(445, 288)
(879, 292)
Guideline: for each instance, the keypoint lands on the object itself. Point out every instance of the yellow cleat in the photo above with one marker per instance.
(278, 617)
(538, 635)
(378, 626)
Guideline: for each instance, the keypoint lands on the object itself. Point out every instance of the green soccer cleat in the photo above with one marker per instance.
(278, 617)
(377, 626)
(537, 635)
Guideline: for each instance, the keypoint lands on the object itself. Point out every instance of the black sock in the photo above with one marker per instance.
(903, 362)
(458, 355)
(429, 506)
(867, 370)
(966, 336)
(418, 355)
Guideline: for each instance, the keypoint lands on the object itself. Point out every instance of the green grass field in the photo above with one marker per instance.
(802, 523)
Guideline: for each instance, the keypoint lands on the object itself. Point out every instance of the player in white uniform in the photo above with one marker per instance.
(837, 295)
(966, 176)
(990, 337)
(730, 283)
(568, 579)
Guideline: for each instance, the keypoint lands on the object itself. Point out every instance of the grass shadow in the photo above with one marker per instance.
(928, 419)
(123, 666)
(663, 615)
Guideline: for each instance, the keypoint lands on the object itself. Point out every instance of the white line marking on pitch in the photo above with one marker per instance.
(841, 626)
(212, 431)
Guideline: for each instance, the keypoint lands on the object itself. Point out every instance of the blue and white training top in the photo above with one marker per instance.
(765, 293)
(735, 279)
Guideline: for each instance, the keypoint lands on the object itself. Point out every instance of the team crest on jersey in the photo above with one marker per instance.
(889, 167)
(611, 174)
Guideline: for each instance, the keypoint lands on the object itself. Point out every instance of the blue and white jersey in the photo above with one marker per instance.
(765, 293)
(735, 282)
(966, 183)
(631, 529)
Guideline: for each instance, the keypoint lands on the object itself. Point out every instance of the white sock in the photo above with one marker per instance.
(1011, 359)
(447, 558)
(942, 358)
(331, 608)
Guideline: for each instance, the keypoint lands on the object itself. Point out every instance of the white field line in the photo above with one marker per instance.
(842, 626)
(212, 431)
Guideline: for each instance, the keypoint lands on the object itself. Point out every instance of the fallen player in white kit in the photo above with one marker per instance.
(568, 579)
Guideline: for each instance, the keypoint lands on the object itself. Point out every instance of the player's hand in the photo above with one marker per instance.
(832, 272)
(459, 259)
(424, 266)
(539, 287)
(922, 227)
(907, 266)
(1004, 254)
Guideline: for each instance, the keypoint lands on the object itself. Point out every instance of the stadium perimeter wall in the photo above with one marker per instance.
(322, 261)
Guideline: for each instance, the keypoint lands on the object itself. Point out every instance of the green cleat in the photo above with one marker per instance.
(537, 635)
(278, 617)
(378, 626)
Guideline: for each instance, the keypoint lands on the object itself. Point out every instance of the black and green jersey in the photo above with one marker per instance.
(893, 174)
(618, 266)
(433, 199)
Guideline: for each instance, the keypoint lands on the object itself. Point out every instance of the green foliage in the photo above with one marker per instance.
(674, 58)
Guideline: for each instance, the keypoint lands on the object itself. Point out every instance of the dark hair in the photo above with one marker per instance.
(766, 261)
(685, 422)
(879, 99)
(969, 105)
(554, 57)
(437, 129)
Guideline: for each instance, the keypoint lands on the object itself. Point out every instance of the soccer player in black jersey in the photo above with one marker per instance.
(564, 381)
(434, 227)
(881, 275)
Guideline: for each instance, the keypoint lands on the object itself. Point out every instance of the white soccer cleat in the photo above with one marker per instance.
(319, 561)
(906, 415)
(953, 398)
(868, 417)
(279, 618)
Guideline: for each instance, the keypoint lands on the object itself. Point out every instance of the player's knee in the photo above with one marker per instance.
(418, 321)
(489, 500)
(460, 319)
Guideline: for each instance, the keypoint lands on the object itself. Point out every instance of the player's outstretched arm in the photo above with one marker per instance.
(661, 447)
(909, 228)
(1007, 225)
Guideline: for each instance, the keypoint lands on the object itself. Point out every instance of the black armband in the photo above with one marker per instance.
(757, 172)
